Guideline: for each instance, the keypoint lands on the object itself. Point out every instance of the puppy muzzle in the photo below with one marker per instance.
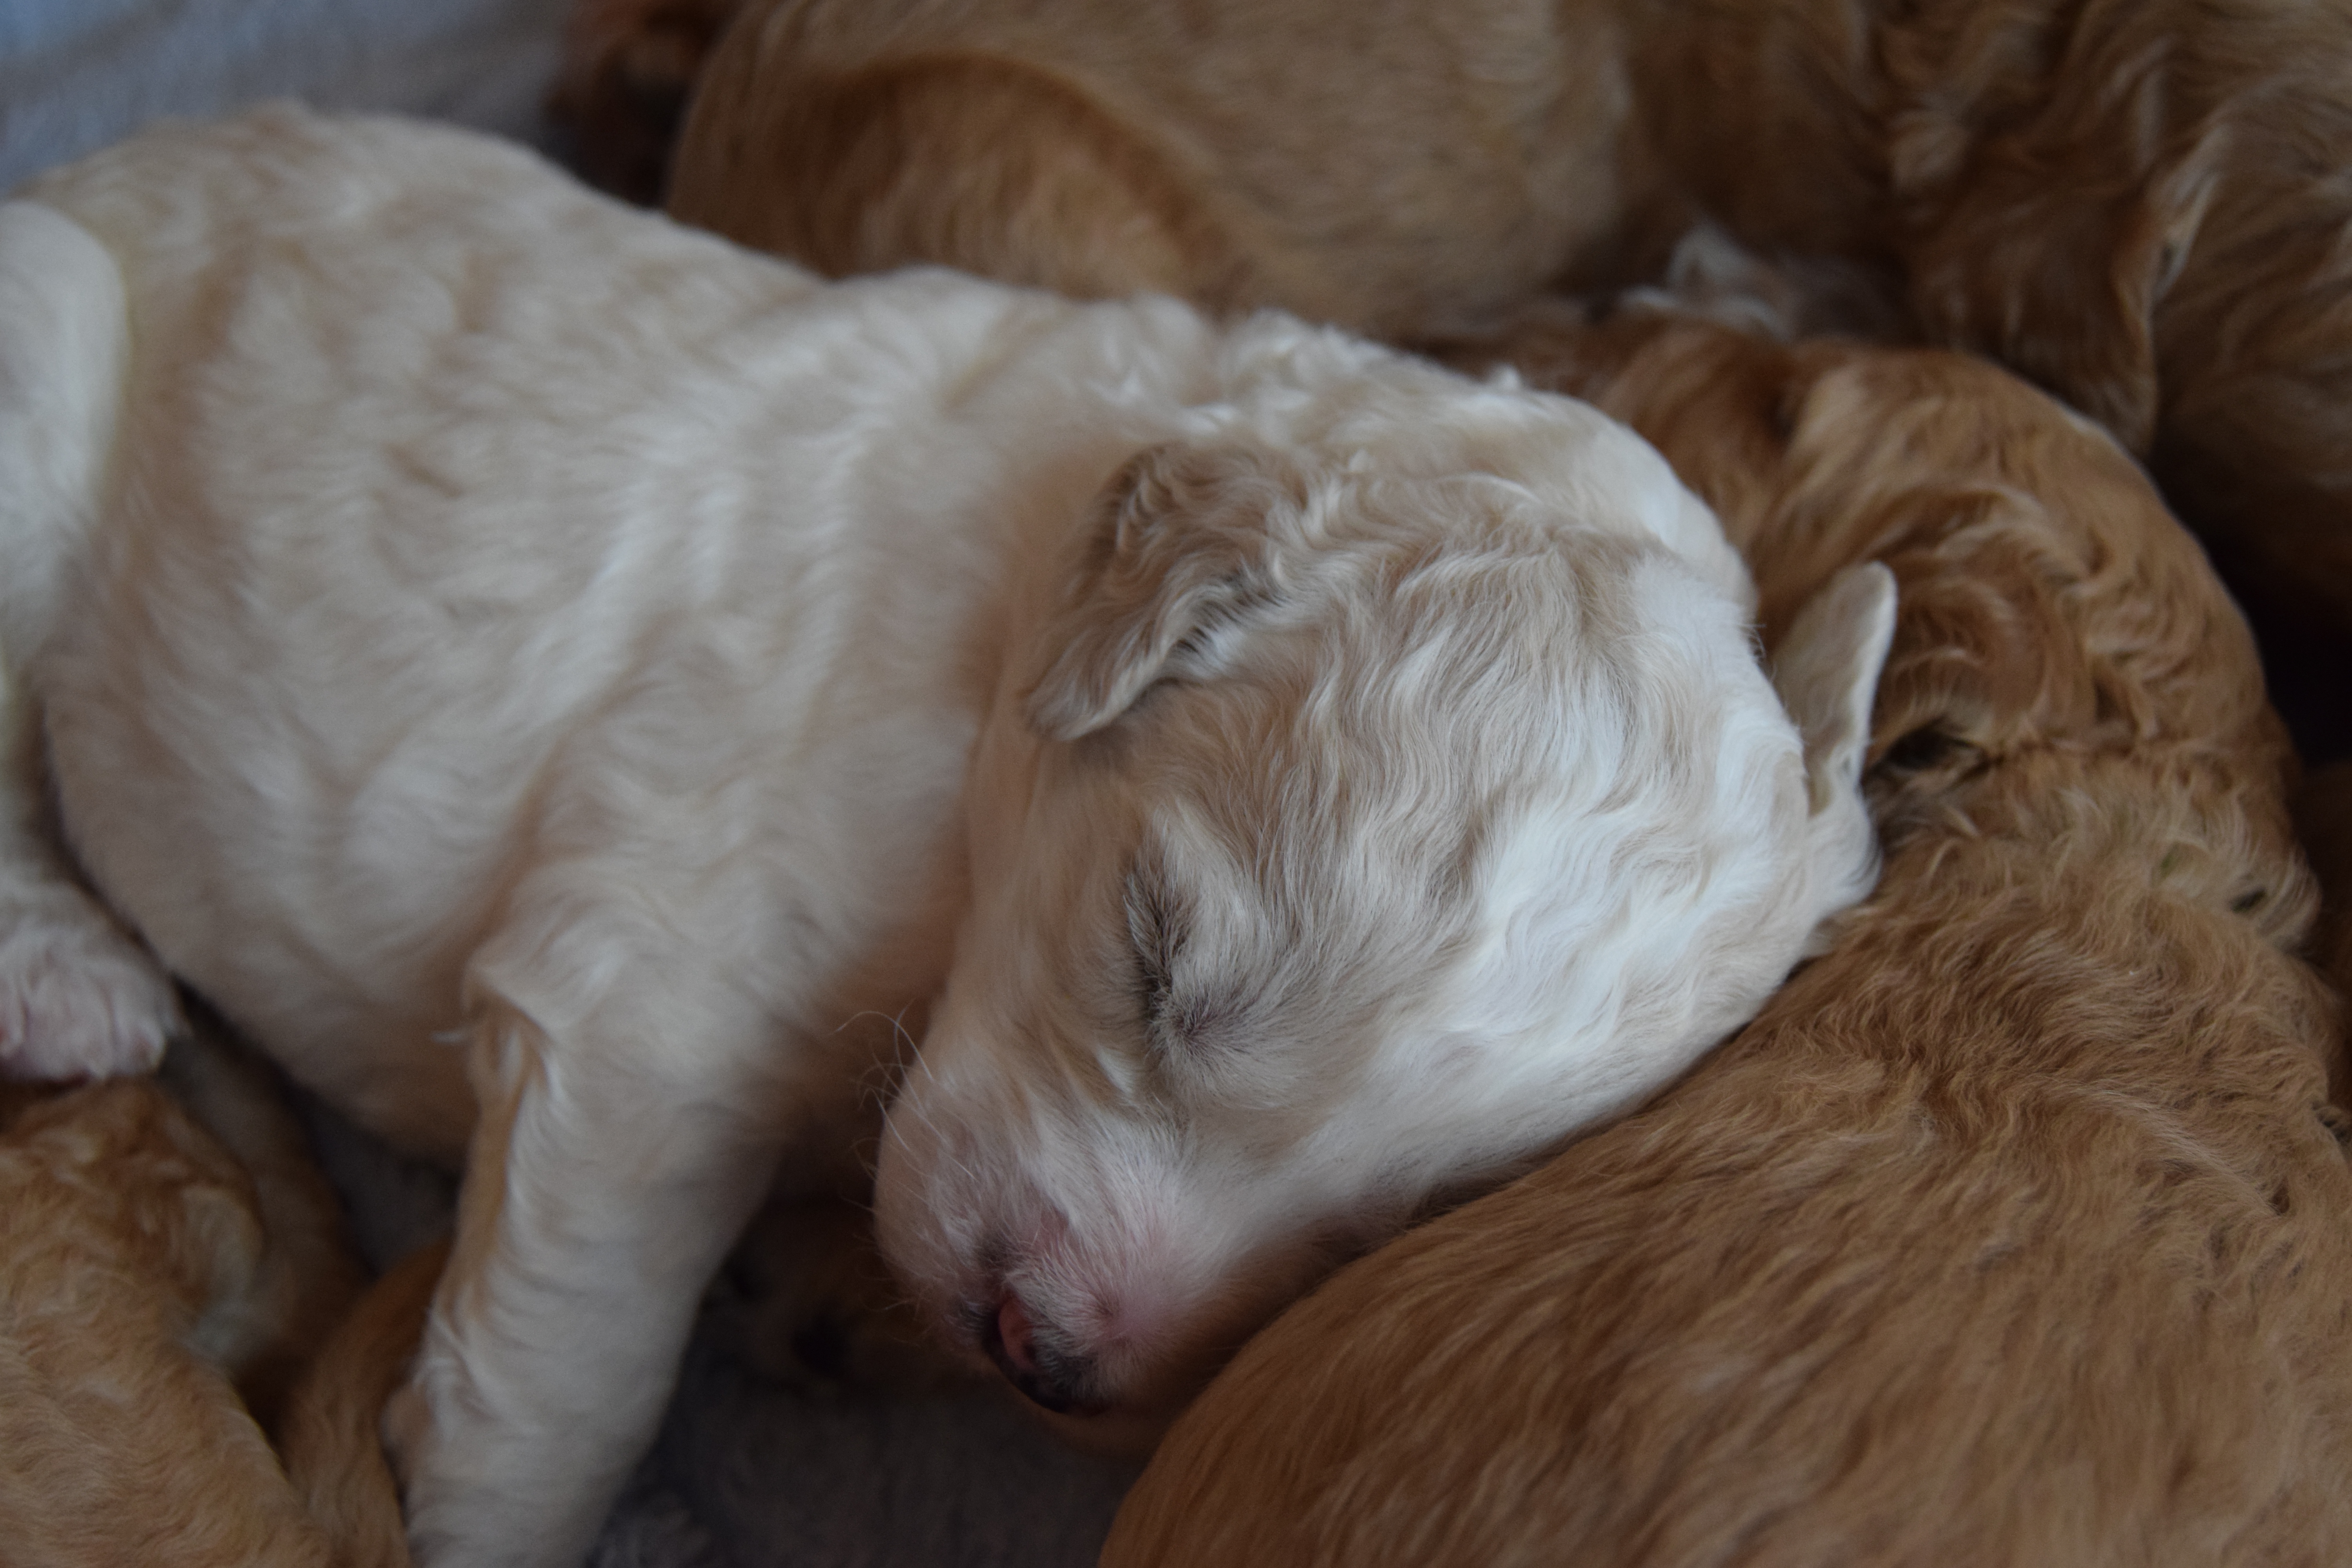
(1052, 1378)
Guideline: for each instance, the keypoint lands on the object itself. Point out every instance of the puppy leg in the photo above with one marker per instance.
(334, 1455)
(805, 1300)
(618, 1151)
(78, 995)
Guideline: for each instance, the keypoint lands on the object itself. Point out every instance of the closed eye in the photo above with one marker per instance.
(1178, 1017)
(1155, 931)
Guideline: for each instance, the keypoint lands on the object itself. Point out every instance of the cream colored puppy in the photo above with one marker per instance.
(523, 661)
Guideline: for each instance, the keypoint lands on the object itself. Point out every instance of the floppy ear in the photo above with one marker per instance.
(1177, 557)
(1826, 671)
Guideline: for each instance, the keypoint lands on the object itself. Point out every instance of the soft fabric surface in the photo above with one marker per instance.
(745, 1472)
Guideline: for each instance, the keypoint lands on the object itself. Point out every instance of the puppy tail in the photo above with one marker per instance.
(333, 1449)
(1826, 671)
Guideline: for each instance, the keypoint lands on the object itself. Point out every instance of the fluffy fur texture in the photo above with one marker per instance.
(569, 689)
(2145, 207)
(158, 1284)
(2013, 1230)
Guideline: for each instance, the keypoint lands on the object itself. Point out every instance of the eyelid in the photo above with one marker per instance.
(1155, 936)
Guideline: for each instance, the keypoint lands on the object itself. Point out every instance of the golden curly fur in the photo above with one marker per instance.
(2014, 1230)
(2141, 205)
(169, 1259)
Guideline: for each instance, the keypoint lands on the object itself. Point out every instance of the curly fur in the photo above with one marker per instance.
(161, 1284)
(2013, 1230)
(569, 688)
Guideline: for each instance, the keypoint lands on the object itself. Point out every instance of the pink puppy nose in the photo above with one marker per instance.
(1018, 1336)
(1055, 1380)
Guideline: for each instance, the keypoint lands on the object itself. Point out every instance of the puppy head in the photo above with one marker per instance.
(1343, 843)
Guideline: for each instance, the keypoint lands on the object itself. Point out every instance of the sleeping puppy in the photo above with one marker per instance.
(2015, 1229)
(2139, 205)
(168, 1258)
(577, 693)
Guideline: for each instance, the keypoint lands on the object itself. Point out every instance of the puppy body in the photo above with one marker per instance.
(2013, 1230)
(1389, 165)
(522, 662)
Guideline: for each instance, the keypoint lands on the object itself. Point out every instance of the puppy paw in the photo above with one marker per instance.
(805, 1302)
(78, 999)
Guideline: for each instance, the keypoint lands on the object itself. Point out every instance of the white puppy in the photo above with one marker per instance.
(566, 686)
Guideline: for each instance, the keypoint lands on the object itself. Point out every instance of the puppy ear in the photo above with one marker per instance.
(1178, 557)
(1826, 671)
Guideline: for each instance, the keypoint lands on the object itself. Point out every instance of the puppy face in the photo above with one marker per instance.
(1342, 845)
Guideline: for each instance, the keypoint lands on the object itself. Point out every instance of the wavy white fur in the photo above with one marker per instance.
(565, 686)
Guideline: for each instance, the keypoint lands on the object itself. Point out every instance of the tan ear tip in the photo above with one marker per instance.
(1058, 711)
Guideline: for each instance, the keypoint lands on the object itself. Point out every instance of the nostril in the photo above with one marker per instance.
(1050, 1380)
(1015, 1336)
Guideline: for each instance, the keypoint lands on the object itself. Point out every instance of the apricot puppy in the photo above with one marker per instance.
(2014, 1230)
